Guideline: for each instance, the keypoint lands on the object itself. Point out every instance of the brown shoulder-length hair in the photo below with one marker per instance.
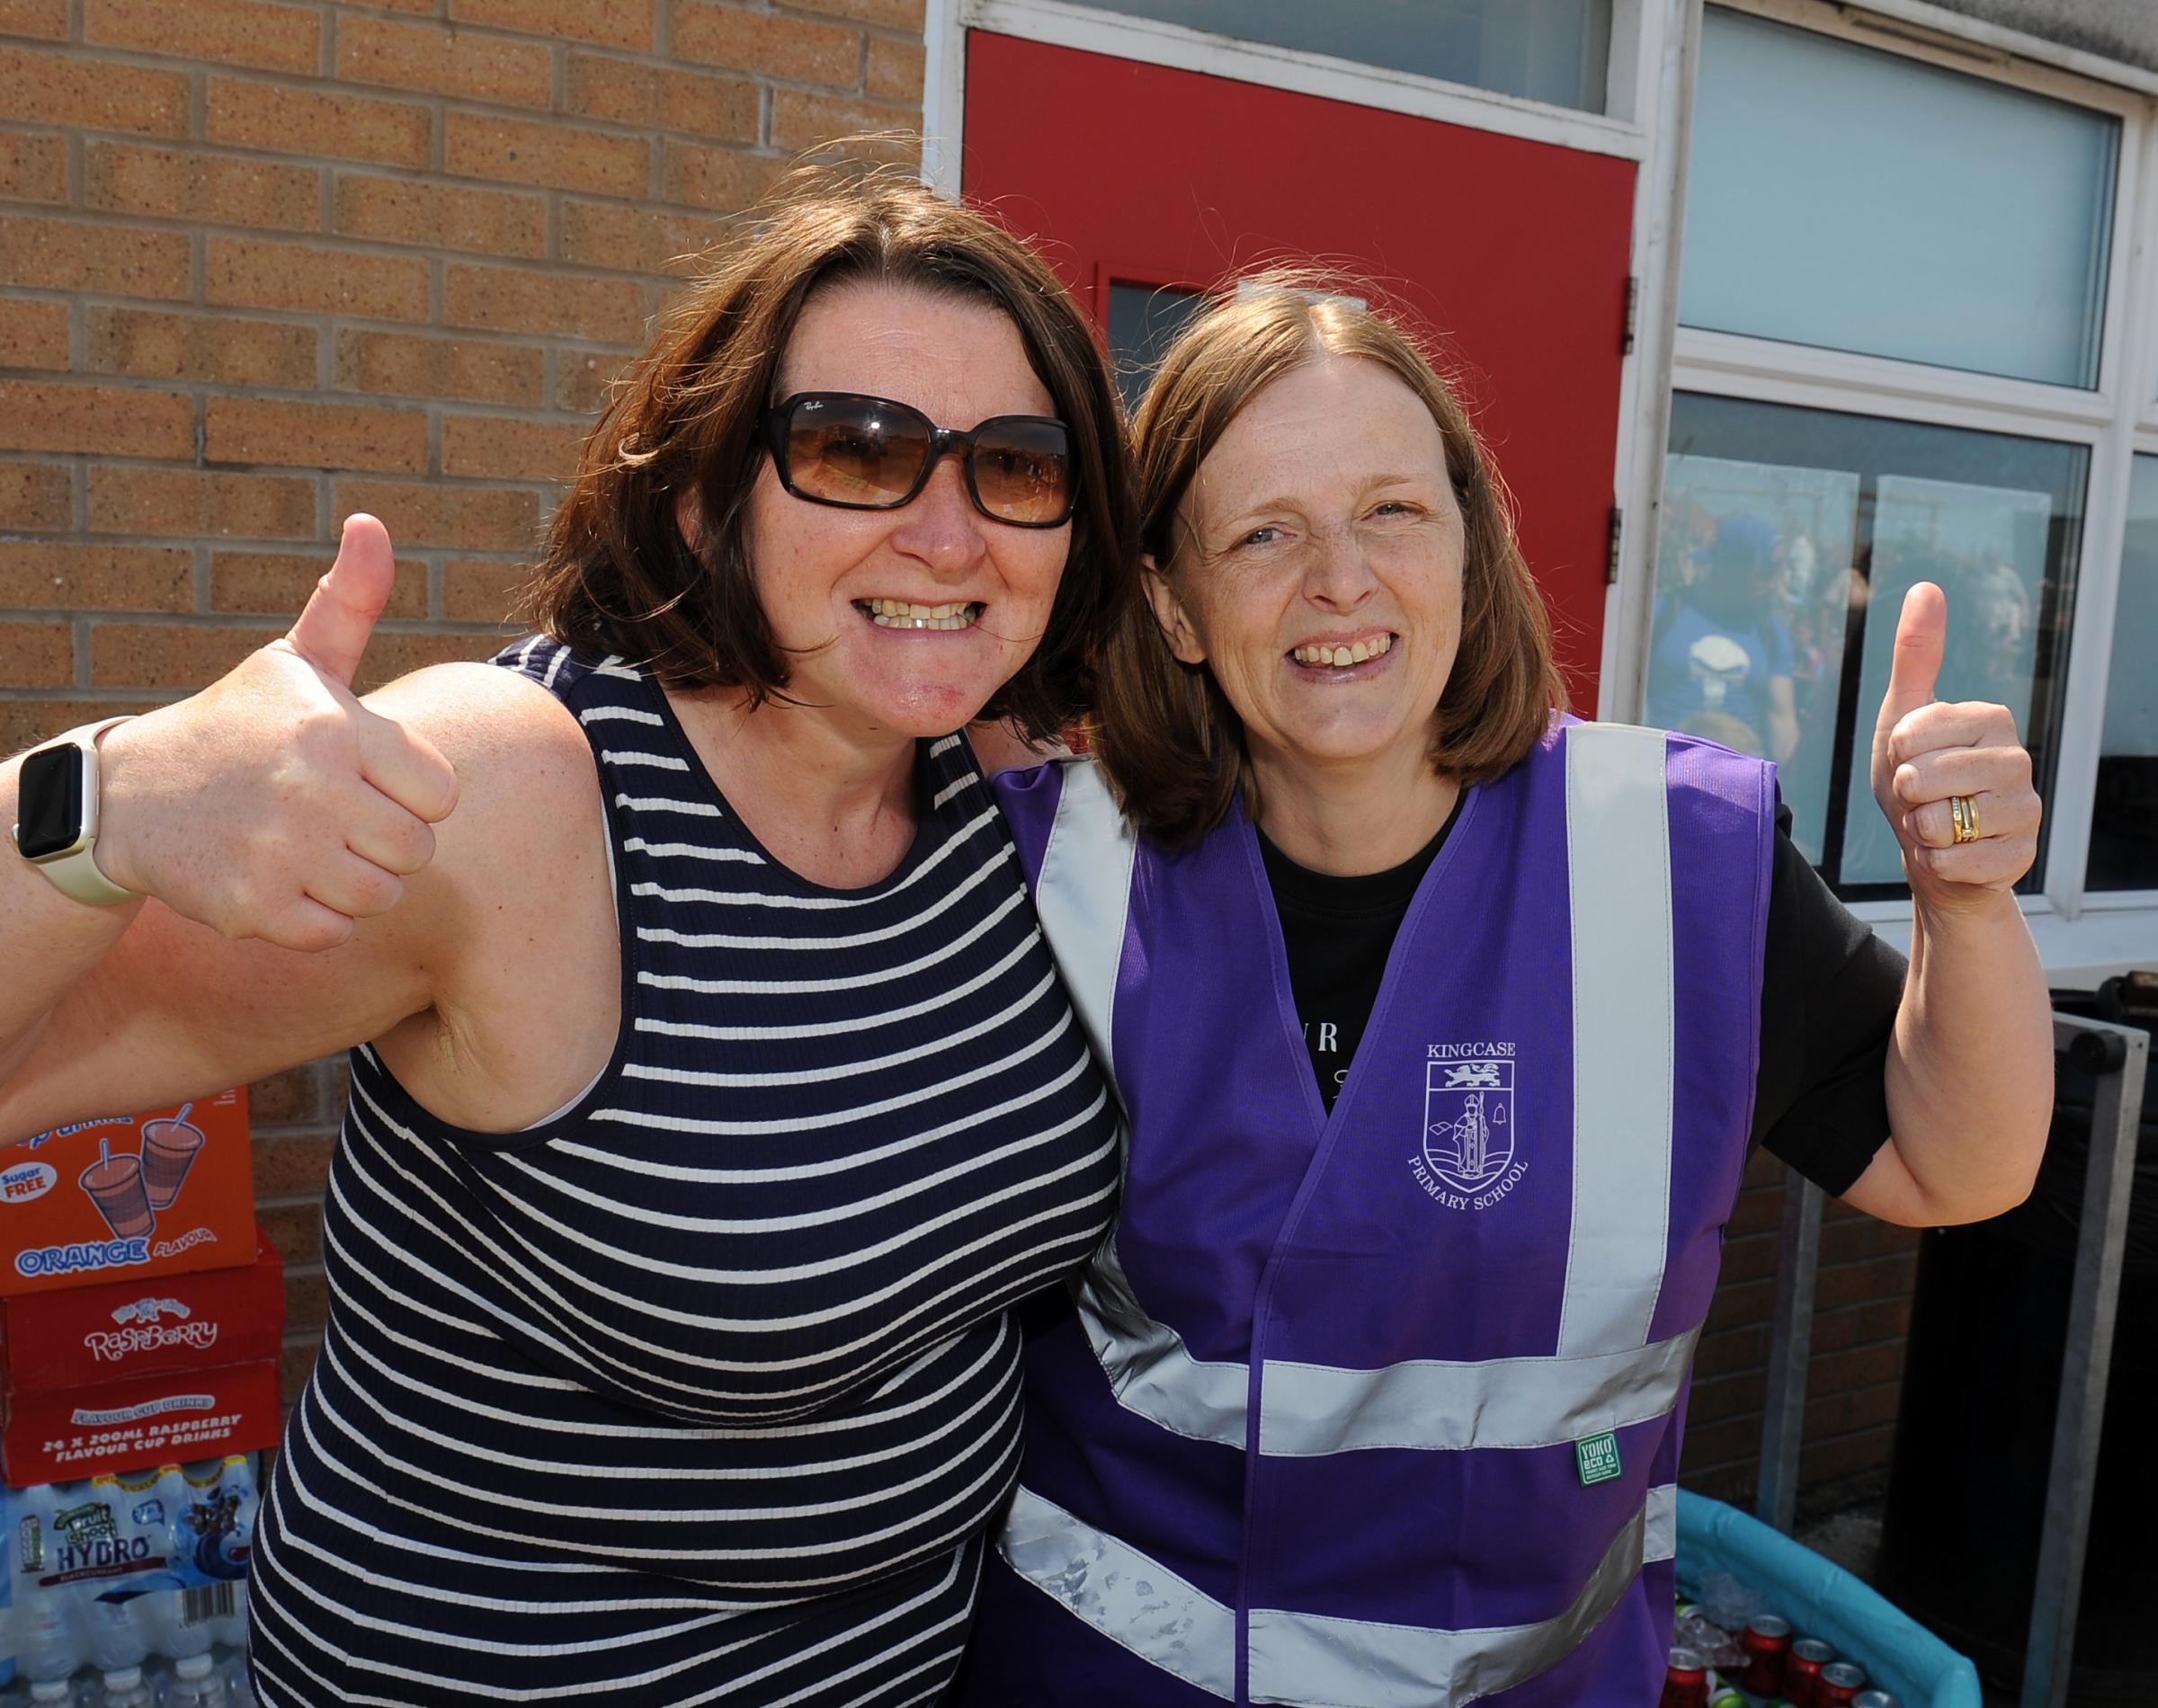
(1171, 744)
(617, 575)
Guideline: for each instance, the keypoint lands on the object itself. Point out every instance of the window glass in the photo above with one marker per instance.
(1143, 323)
(2124, 820)
(1750, 612)
(1851, 199)
(1789, 539)
(1549, 50)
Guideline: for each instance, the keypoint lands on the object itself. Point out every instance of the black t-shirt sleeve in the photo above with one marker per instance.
(1829, 990)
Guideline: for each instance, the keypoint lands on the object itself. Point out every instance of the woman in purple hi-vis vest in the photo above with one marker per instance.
(1441, 1023)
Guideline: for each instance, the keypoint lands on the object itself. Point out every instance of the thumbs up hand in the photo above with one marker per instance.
(1952, 778)
(273, 804)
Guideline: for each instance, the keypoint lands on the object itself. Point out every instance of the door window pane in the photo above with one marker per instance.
(2124, 820)
(1789, 538)
(1750, 615)
(1143, 323)
(1549, 50)
(1851, 199)
(1986, 547)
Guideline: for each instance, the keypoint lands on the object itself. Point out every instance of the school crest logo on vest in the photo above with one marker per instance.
(1465, 1157)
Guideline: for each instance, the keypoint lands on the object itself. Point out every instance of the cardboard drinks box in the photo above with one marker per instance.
(107, 1378)
(135, 1195)
(86, 1336)
(140, 1420)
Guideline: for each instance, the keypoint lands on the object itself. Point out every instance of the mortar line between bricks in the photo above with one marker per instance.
(463, 484)
(191, 621)
(134, 540)
(341, 168)
(313, 320)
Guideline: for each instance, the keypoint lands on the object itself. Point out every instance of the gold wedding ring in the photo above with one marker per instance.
(1964, 810)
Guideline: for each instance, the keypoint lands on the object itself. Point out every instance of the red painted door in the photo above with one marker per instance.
(1515, 253)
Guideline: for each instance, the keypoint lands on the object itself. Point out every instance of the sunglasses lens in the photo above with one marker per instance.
(1022, 470)
(854, 451)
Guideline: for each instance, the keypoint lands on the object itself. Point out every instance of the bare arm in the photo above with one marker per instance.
(1970, 1067)
(296, 904)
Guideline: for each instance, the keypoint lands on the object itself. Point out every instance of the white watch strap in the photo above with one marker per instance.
(76, 874)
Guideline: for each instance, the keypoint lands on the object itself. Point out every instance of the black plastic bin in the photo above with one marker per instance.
(1974, 1439)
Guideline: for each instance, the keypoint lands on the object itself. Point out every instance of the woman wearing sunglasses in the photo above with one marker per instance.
(1443, 1025)
(713, 1096)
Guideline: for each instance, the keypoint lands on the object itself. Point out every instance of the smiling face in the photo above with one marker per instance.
(843, 589)
(1318, 572)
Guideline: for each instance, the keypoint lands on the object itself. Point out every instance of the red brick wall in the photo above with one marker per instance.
(263, 263)
(1862, 1310)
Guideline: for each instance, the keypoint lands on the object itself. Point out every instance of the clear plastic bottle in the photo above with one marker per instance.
(174, 1634)
(236, 1484)
(116, 1631)
(239, 1690)
(12, 1696)
(53, 1693)
(49, 1635)
(124, 1688)
(196, 1684)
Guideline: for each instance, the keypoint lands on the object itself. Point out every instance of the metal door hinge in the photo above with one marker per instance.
(1633, 314)
(1611, 558)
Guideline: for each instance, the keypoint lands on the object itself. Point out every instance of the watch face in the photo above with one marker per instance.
(48, 789)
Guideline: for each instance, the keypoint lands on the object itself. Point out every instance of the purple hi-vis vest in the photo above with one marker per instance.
(1382, 1409)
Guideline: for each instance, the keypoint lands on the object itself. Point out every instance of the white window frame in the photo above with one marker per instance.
(1655, 48)
(2081, 937)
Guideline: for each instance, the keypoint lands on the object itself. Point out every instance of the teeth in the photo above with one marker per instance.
(1341, 657)
(897, 613)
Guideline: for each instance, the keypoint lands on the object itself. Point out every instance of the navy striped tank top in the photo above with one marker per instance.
(705, 1389)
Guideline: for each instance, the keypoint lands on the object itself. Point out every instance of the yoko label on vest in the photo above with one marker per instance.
(1465, 1158)
(1598, 1457)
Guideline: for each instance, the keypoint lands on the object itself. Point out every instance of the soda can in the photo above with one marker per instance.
(1801, 1670)
(1767, 1641)
(1686, 1682)
(1839, 1684)
(1873, 1699)
(1729, 1696)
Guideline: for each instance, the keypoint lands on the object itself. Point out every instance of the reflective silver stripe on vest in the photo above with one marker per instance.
(1084, 895)
(1133, 1601)
(1662, 1540)
(1306, 1658)
(1148, 1366)
(1619, 885)
(1316, 1662)
(1310, 1408)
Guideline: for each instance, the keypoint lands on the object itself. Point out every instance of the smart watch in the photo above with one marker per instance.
(55, 816)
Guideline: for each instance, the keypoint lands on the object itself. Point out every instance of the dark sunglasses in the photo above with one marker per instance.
(841, 449)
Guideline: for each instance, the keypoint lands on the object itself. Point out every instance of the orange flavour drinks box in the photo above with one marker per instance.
(128, 1197)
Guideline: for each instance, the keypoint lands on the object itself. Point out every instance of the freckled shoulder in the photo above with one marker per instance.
(528, 791)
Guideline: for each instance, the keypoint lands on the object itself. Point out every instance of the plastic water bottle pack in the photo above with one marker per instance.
(218, 1679)
(130, 1591)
